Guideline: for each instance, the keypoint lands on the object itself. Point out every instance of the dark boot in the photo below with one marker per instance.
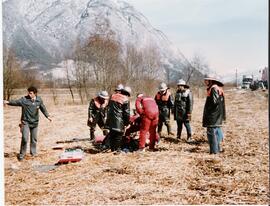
(178, 134)
(92, 134)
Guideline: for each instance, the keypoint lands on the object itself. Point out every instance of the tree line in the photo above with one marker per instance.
(101, 63)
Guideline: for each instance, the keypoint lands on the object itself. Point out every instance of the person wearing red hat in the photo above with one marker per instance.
(214, 112)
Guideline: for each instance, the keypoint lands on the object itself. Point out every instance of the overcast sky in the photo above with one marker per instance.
(228, 34)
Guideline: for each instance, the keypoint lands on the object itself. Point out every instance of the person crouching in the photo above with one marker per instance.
(149, 112)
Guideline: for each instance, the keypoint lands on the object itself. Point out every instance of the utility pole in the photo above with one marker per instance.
(236, 76)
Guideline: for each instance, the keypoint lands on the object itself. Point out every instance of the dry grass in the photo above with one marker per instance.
(179, 173)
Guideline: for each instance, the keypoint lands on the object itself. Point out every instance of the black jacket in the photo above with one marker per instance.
(214, 109)
(165, 103)
(118, 112)
(96, 110)
(183, 104)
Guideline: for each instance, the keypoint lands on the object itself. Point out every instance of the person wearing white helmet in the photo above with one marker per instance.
(118, 118)
(214, 112)
(164, 101)
(97, 113)
(183, 104)
(119, 88)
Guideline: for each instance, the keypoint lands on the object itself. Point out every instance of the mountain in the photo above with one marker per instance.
(43, 32)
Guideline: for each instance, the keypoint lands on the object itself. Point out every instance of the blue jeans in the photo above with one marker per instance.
(180, 126)
(214, 136)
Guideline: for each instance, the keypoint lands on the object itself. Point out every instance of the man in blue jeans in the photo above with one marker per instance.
(31, 104)
(214, 112)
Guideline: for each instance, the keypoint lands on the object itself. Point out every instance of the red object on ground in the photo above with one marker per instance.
(71, 156)
(99, 139)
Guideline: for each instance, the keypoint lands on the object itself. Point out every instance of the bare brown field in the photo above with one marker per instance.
(179, 173)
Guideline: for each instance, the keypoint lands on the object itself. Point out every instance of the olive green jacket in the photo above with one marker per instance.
(30, 110)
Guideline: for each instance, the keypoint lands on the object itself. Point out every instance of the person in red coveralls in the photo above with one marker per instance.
(147, 108)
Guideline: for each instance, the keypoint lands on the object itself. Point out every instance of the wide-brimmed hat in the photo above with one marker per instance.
(182, 82)
(214, 78)
(162, 87)
(103, 94)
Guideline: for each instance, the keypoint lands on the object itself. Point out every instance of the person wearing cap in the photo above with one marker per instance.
(183, 104)
(148, 111)
(118, 118)
(31, 104)
(97, 113)
(214, 112)
(164, 101)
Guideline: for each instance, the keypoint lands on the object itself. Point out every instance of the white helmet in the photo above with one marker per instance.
(103, 94)
(127, 90)
(181, 82)
(119, 87)
(162, 87)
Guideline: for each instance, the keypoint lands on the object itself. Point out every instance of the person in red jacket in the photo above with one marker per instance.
(148, 111)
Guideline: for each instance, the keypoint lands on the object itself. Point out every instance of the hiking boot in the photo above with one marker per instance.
(189, 139)
(20, 157)
(92, 136)
(117, 152)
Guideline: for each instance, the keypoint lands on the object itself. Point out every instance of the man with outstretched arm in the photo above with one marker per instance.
(31, 104)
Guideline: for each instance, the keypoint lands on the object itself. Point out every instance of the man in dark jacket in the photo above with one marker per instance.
(97, 113)
(148, 111)
(164, 101)
(31, 104)
(183, 103)
(214, 112)
(118, 117)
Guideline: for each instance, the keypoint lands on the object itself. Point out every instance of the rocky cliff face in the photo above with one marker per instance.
(45, 31)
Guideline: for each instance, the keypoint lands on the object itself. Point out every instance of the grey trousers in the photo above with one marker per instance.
(33, 140)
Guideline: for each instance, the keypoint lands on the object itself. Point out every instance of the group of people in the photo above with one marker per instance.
(112, 115)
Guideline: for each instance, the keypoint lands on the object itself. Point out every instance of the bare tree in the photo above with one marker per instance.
(100, 56)
(132, 63)
(11, 73)
(196, 69)
(152, 63)
(68, 73)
